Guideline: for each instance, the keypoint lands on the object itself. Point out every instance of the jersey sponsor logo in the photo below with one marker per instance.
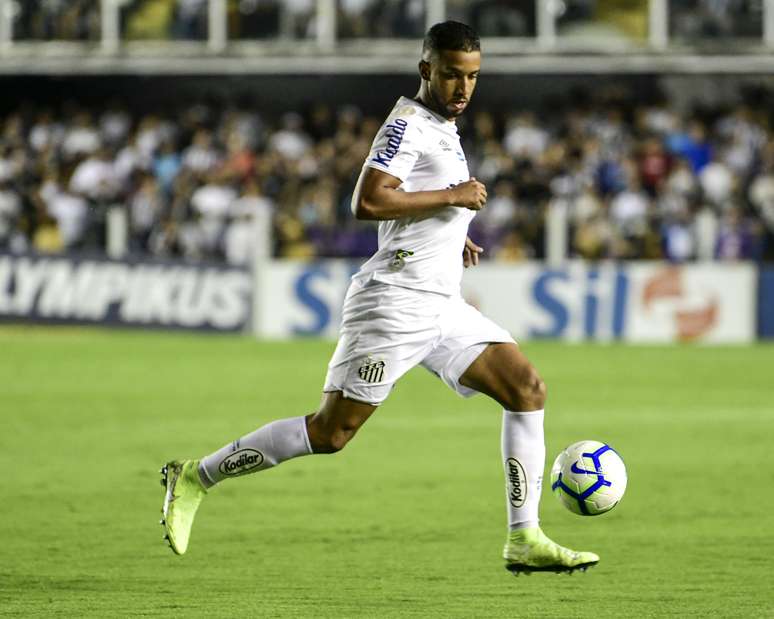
(372, 370)
(395, 132)
(517, 480)
(445, 145)
(241, 462)
(399, 261)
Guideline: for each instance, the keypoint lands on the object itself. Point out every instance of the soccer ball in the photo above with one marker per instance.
(588, 478)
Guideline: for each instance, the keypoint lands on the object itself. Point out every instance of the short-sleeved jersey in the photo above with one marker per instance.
(423, 150)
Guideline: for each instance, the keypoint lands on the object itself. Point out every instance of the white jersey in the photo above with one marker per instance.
(423, 150)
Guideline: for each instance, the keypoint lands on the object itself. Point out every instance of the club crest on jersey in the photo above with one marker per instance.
(372, 370)
(399, 261)
(394, 134)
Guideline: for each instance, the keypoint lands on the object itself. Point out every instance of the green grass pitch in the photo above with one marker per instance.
(408, 521)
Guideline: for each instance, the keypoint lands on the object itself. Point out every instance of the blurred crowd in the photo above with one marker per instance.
(690, 20)
(259, 19)
(632, 180)
(715, 19)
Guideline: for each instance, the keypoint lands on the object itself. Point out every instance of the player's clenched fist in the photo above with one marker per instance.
(470, 194)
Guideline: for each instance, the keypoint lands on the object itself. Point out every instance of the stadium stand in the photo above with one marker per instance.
(632, 178)
(629, 177)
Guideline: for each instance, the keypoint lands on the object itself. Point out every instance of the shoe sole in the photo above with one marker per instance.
(516, 569)
(164, 471)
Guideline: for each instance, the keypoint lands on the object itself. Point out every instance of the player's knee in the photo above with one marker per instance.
(540, 392)
(528, 394)
(328, 440)
(338, 440)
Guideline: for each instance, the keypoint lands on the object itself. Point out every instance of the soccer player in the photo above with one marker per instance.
(404, 308)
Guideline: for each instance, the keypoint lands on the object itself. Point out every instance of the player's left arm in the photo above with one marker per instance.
(470, 255)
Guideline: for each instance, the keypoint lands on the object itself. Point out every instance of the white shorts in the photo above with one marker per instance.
(387, 330)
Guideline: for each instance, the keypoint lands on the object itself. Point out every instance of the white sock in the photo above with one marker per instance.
(266, 447)
(524, 456)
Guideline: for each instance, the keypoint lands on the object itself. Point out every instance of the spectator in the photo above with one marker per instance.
(736, 240)
(654, 165)
(629, 209)
(290, 141)
(129, 160)
(95, 178)
(70, 212)
(524, 138)
(212, 203)
(10, 210)
(717, 184)
(145, 210)
(691, 145)
(241, 237)
(679, 238)
(166, 166)
(201, 156)
(82, 138)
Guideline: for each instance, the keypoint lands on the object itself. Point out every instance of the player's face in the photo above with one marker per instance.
(451, 77)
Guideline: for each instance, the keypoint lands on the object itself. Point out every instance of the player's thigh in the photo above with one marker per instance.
(503, 372)
(466, 333)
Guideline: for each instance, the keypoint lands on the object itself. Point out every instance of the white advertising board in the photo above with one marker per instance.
(635, 302)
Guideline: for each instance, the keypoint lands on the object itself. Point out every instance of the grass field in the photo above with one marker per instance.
(408, 521)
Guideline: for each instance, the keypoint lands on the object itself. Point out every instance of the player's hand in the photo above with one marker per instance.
(470, 253)
(470, 194)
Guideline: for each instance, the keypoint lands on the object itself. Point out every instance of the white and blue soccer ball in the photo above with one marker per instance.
(588, 478)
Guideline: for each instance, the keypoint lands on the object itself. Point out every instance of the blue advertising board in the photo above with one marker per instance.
(766, 303)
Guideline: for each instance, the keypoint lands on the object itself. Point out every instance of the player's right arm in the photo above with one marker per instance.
(378, 197)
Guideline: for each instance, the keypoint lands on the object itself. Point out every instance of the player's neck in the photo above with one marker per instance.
(425, 98)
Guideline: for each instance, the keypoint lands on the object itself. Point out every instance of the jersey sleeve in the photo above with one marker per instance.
(397, 146)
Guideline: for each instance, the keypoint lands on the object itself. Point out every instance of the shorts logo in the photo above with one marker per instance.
(517, 480)
(241, 462)
(399, 261)
(372, 371)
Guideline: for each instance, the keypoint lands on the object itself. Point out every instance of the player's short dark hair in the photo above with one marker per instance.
(451, 36)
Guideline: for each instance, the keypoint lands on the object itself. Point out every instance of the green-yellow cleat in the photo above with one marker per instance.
(530, 550)
(184, 492)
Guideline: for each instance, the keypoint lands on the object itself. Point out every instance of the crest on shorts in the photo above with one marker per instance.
(399, 261)
(372, 370)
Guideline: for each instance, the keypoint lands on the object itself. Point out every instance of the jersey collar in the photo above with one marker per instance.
(447, 124)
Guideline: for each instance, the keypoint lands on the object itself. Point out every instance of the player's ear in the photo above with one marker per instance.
(424, 70)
